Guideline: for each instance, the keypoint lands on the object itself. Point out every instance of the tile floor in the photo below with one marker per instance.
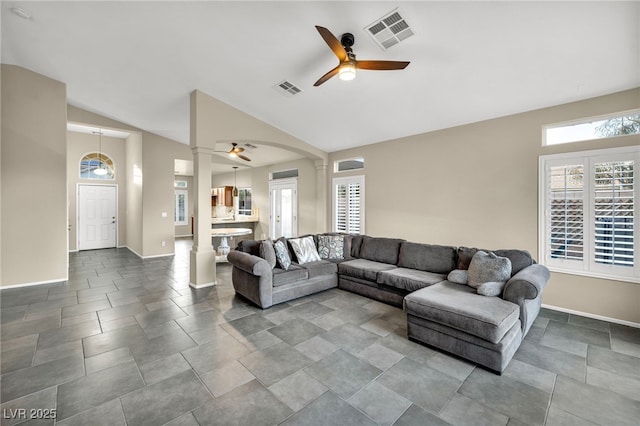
(126, 341)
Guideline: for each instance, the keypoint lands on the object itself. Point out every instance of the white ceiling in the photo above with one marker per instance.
(137, 62)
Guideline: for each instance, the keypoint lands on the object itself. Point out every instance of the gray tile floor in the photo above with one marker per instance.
(126, 341)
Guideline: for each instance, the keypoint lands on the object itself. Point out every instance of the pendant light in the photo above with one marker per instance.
(235, 181)
(100, 171)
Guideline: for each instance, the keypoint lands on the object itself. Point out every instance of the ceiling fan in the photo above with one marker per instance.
(348, 63)
(236, 151)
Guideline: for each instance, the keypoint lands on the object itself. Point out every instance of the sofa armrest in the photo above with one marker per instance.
(526, 284)
(254, 265)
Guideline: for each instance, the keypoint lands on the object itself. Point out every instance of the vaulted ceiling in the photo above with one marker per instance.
(137, 62)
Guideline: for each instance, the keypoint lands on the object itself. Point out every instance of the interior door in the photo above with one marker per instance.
(96, 216)
(283, 212)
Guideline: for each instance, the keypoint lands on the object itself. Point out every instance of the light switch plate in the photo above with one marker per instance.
(164, 214)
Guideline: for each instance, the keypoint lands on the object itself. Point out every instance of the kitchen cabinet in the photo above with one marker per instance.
(222, 196)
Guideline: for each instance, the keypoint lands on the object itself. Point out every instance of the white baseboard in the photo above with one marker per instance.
(60, 280)
(594, 316)
(148, 257)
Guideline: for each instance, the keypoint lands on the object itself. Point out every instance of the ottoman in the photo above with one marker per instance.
(454, 318)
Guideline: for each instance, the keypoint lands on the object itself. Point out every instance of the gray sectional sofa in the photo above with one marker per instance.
(439, 287)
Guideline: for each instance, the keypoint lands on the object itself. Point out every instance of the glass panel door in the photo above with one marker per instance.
(283, 209)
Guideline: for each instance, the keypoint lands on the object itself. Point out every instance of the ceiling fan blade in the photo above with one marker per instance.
(245, 158)
(327, 76)
(381, 65)
(237, 149)
(333, 42)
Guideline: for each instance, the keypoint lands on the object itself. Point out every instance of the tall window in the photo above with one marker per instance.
(348, 204)
(181, 212)
(589, 213)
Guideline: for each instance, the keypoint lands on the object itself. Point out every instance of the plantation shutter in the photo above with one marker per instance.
(589, 216)
(613, 216)
(349, 206)
(565, 239)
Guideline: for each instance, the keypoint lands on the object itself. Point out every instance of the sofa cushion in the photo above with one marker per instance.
(363, 268)
(460, 307)
(520, 259)
(488, 267)
(356, 244)
(282, 254)
(331, 246)
(384, 250)
(250, 246)
(305, 249)
(268, 253)
(409, 279)
(427, 257)
(320, 267)
(459, 276)
(491, 288)
(293, 274)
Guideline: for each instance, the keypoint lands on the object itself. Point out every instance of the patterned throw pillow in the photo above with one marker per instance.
(331, 246)
(305, 249)
(282, 254)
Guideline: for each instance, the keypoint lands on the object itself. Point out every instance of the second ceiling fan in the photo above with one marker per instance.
(348, 63)
(236, 151)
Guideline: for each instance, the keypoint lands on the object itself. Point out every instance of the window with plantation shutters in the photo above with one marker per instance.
(349, 204)
(589, 213)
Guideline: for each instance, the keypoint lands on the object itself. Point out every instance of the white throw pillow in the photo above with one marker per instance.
(305, 249)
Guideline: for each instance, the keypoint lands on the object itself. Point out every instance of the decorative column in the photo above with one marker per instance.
(203, 258)
(202, 266)
(321, 196)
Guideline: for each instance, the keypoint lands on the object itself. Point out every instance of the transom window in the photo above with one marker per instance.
(97, 166)
(618, 124)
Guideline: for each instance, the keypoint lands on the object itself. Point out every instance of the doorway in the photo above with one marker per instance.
(97, 217)
(283, 210)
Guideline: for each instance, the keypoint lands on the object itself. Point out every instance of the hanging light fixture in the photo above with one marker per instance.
(235, 181)
(101, 170)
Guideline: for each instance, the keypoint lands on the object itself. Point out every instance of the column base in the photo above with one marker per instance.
(202, 268)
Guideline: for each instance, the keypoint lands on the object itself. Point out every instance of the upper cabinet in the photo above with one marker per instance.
(222, 196)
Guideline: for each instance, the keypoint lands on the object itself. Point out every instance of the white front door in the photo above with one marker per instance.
(283, 212)
(96, 216)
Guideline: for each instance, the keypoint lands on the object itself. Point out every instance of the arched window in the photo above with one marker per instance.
(96, 166)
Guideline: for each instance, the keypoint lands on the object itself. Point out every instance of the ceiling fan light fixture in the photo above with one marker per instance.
(347, 71)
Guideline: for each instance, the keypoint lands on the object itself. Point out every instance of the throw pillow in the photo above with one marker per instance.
(492, 288)
(458, 276)
(268, 253)
(305, 249)
(487, 267)
(331, 246)
(282, 254)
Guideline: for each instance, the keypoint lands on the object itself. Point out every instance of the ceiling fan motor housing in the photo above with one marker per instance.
(347, 40)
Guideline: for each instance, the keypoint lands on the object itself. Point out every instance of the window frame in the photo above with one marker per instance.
(588, 266)
(357, 179)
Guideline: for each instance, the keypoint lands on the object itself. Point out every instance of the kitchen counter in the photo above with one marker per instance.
(240, 219)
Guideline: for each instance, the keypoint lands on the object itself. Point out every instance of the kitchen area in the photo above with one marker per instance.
(233, 218)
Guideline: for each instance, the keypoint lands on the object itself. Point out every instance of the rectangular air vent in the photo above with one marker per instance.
(287, 88)
(389, 30)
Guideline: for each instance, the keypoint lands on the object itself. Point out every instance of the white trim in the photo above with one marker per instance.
(148, 257)
(61, 280)
(594, 316)
(184, 236)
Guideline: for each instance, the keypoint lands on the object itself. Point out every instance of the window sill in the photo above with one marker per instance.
(632, 280)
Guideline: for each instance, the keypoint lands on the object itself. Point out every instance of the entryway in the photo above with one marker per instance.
(283, 199)
(97, 217)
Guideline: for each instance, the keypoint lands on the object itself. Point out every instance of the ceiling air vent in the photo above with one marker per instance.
(287, 88)
(389, 30)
